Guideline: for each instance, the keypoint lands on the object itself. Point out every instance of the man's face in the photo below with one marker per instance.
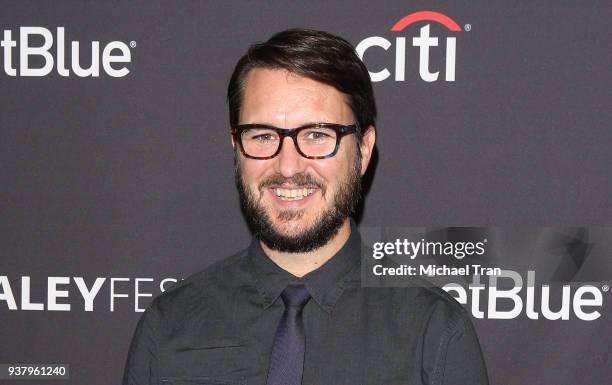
(272, 190)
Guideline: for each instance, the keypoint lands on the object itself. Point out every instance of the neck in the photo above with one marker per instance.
(300, 264)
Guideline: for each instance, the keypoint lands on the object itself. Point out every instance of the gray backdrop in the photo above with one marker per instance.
(130, 178)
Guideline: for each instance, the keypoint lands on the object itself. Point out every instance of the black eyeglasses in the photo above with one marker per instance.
(312, 141)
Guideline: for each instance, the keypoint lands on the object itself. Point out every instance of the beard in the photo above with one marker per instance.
(326, 224)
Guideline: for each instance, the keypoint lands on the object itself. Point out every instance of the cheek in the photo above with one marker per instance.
(332, 170)
(253, 170)
(324, 169)
(340, 165)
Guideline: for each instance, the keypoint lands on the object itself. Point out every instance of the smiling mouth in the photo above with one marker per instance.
(292, 194)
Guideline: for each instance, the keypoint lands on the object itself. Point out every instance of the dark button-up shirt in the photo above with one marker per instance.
(218, 326)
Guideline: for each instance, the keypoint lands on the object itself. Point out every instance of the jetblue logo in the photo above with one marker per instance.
(34, 44)
(531, 300)
(429, 72)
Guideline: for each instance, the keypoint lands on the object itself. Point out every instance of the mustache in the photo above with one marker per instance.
(300, 180)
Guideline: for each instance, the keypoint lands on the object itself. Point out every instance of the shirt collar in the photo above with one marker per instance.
(325, 284)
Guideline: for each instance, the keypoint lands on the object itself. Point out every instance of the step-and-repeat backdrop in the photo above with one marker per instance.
(116, 173)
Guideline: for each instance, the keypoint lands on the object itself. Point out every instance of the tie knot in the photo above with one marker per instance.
(295, 295)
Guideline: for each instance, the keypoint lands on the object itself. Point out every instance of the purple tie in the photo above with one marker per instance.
(287, 360)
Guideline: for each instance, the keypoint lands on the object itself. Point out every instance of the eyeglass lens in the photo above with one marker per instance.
(315, 142)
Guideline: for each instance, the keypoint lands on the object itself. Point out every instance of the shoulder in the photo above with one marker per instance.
(445, 316)
(419, 297)
(418, 304)
(444, 322)
(451, 350)
(203, 289)
(442, 313)
(443, 303)
(450, 346)
(440, 327)
(218, 272)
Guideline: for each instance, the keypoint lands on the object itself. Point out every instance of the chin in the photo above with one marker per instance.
(292, 227)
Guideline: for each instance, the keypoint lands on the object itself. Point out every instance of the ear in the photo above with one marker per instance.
(233, 142)
(367, 146)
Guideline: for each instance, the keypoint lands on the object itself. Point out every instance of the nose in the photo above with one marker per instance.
(289, 161)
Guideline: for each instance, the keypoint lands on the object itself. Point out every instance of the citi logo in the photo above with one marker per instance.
(35, 45)
(424, 42)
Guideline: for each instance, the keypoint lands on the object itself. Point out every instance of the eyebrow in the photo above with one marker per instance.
(311, 123)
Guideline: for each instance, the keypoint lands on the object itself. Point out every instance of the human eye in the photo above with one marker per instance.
(319, 135)
(260, 136)
(264, 138)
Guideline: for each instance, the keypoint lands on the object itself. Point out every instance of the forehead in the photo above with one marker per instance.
(285, 99)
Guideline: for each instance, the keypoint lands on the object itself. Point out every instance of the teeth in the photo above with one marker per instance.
(292, 194)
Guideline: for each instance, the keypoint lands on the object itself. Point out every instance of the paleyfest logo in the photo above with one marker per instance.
(429, 72)
(48, 52)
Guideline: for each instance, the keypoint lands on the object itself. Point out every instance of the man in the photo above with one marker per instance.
(290, 309)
